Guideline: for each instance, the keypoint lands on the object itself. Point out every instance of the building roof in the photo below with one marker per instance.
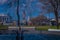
(55, 20)
(40, 18)
(3, 15)
(52, 20)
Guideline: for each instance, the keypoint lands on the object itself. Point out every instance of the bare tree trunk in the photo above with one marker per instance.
(56, 17)
(55, 7)
(18, 16)
(18, 21)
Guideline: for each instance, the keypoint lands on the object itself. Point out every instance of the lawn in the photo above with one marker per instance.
(3, 27)
(45, 28)
(54, 27)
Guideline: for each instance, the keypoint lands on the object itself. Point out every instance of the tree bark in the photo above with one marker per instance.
(56, 17)
(55, 11)
(18, 21)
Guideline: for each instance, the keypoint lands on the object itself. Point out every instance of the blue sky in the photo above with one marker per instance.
(34, 8)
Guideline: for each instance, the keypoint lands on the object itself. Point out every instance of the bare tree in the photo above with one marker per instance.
(18, 16)
(52, 6)
(10, 4)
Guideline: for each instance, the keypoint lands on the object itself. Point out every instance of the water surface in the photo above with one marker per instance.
(32, 36)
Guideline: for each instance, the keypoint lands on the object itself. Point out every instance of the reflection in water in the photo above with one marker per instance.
(41, 37)
(30, 36)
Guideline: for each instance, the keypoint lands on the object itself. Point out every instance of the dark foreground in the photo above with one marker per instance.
(11, 35)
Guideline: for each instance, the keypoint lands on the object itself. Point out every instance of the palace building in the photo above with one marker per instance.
(5, 19)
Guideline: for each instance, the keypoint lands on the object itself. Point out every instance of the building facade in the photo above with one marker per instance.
(40, 20)
(5, 19)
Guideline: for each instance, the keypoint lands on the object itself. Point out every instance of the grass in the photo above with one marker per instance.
(3, 27)
(54, 27)
(42, 28)
(45, 28)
